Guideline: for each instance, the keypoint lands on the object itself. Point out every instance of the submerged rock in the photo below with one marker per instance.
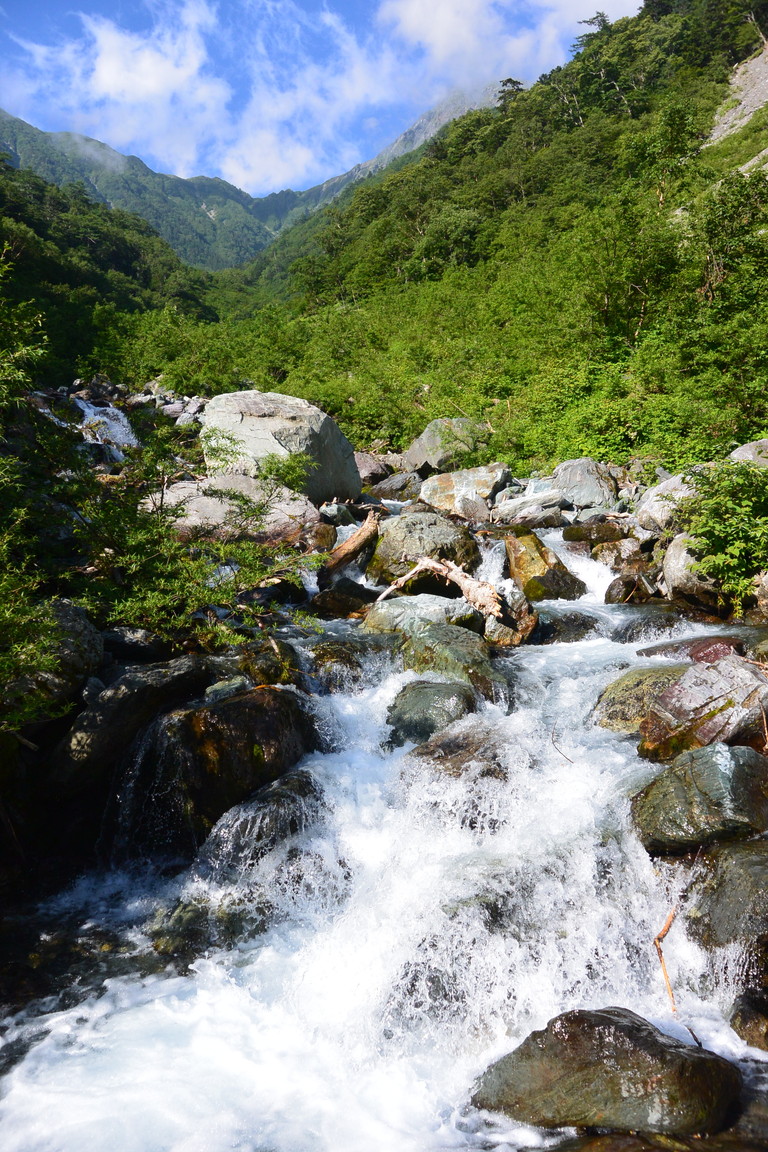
(423, 707)
(712, 793)
(749, 1016)
(610, 1069)
(466, 750)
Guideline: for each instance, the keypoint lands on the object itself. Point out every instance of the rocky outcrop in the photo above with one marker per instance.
(467, 492)
(657, 507)
(712, 793)
(724, 701)
(442, 444)
(585, 483)
(610, 1069)
(206, 509)
(625, 703)
(407, 613)
(538, 572)
(268, 423)
(405, 539)
(423, 707)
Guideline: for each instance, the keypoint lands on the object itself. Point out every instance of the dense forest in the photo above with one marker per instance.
(576, 267)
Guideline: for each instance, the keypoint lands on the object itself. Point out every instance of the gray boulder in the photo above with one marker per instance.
(657, 507)
(372, 468)
(407, 613)
(537, 503)
(422, 708)
(712, 793)
(611, 1069)
(456, 653)
(727, 905)
(268, 423)
(405, 539)
(465, 493)
(724, 702)
(398, 486)
(756, 452)
(442, 444)
(586, 483)
(682, 581)
(206, 510)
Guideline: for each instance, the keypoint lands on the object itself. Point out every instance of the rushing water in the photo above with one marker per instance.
(415, 927)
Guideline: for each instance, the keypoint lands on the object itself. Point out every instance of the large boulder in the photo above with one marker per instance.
(407, 613)
(611, 1069)
(205, 508)
(270, 424)
(197, 763)
(657, 508)
(465, 493)
(405, 539)
(538, 572)
(456, 653)
(534, 504)
(586, 483)
(712, 793)
(624, 704)
(724, 701)
(683, 582)
(756, 452)
(442, 444)
(423, 707)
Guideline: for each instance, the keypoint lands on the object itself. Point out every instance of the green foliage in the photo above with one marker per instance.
(728, 521)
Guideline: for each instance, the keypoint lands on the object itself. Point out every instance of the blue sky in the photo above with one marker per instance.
(267, 94)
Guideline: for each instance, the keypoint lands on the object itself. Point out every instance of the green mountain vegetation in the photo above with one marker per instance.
(576, 267)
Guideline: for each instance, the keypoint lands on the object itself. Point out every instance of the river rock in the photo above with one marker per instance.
(657, 507)
(610, 1069)
(728, 905)
(682, 582)
(422, 708)
(703, 649)
(712, 793)
(534, 504)
(195, 764)
(407, 613)
(756, 452)
(465, 491)
(538, 572)
(205, 510)
(455, 653)
(344, 598)
(442, 444)
(749, 1017)
(631, 589)
(136, 646)
(595, 532)
(399, 486)
(466, 749)
(585, 483)
(372, 469)
(624, 704)
(405, 539)
(536, 517)
(268, 423)
(516, 625)
(629, 556)
(723, 702)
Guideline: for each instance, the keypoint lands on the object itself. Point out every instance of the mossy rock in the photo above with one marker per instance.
(625, 703)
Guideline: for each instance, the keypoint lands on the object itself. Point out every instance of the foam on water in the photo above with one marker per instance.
(419, 929)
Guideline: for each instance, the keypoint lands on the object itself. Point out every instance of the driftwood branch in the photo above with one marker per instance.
(345, 553)
(657, 944)
(478, 593)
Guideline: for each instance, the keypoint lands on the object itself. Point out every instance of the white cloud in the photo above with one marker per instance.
(268, 93)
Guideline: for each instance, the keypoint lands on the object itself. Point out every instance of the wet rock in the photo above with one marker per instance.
(723, 702)
(517, 624)
(339, 662)
(475, 749)
(470, 488)
(712, 793)
(245, 833)
(631, 589)
(629, 557)
(704, 649)
(405, 539)
(563, 628)
(728, 904)
(269, 661)
(624, 704)
(538, 572)
(456, 653)
(537, 517)
(611, 1069)
(749, 1017)
(343, 599)
(194, 926)
(443, 444)
(195, 764)
(596, 532)
(657, 507)
(268, 423)
(340, 515)
(405, 614)
(422, 708)
(586, 483)
(79, 649)
(682, 582)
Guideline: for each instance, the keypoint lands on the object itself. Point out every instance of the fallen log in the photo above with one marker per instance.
(478, 593)
(345, 553)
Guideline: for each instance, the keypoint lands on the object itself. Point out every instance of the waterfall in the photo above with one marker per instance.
(406, 928)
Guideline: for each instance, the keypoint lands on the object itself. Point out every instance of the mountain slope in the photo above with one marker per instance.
(209, 223)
